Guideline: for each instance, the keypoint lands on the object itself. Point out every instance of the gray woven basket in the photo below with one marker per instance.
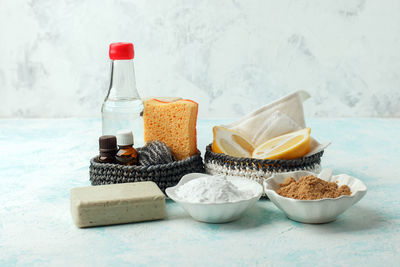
(164, 175)
(256, 169)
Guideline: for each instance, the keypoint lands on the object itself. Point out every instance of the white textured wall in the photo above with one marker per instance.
(230, 56)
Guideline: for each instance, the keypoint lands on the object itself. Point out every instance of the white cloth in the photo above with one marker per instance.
(279, 117)
(276, 124)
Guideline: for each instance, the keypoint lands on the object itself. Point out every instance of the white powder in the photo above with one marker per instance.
(211, 189)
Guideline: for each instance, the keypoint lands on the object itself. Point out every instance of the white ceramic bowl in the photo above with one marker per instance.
(315, 211)
(219, 212)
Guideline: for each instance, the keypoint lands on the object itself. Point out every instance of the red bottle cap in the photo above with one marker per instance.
(121, 51)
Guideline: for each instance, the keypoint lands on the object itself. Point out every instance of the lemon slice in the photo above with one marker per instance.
(231, 143)
(288, 146)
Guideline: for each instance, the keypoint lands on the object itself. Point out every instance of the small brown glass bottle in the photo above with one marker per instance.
(127, 154)
(108, 149)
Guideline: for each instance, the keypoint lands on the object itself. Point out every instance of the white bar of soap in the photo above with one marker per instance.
(117, 203)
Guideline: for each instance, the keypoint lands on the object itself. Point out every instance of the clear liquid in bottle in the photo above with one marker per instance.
(122, 107)
(124, 116)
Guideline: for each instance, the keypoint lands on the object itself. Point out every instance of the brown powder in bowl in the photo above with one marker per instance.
(311, 187)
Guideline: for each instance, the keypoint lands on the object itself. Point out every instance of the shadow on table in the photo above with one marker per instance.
(259, 215)
(357, 219)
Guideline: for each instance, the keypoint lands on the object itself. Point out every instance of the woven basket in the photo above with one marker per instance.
(164, 175)
(256, 169)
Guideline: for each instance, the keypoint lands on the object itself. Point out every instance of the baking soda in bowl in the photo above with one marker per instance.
(215, 199)
(212, 189)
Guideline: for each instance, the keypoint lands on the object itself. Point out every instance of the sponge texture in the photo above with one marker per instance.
(173, 123)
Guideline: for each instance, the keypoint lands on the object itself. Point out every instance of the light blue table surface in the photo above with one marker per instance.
(41, 160)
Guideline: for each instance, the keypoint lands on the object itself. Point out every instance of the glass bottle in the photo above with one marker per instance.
(122, 106)
(108, 149)
(127, 154)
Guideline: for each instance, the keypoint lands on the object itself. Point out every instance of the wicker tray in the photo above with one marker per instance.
(256, 169)
(164, 175)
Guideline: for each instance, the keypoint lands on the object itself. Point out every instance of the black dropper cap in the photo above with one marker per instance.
(108, 145)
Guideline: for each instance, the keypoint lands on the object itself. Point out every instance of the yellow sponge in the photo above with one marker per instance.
(173, 123)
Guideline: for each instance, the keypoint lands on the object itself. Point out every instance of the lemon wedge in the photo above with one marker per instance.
(288, 146)
(231, 143)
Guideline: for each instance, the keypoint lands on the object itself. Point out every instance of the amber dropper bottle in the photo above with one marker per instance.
(127, 154)
(108, 148)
